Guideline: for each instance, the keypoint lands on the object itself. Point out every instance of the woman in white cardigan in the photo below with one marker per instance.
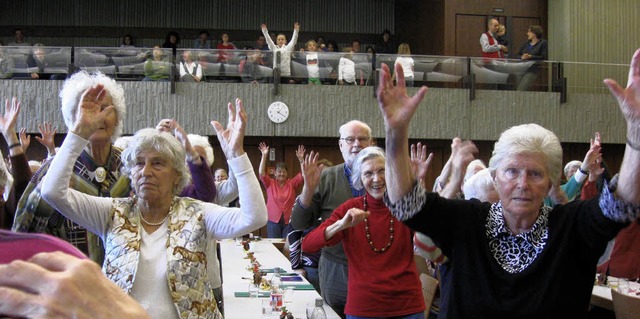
(155, 242)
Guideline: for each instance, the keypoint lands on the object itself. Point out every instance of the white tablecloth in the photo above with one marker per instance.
(234, 268)
(601, 295)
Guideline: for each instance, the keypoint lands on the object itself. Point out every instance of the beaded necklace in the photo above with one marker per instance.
(366, 229)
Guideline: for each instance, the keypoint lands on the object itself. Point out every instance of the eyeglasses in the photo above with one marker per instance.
(350, 140)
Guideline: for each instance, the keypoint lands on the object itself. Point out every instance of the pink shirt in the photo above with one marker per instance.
(280, 199)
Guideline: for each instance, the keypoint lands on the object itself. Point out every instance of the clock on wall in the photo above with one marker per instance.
(278, 112)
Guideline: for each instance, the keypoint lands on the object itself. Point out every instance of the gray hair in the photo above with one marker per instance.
(202, 141)
(476, 185)
(529, 139)
(122, 142)
(472, 167)
(74, 87)
(366, 154)
(344, 126)
(150, 139)
(570, 165)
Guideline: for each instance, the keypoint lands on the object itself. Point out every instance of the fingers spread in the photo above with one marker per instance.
(615, 89)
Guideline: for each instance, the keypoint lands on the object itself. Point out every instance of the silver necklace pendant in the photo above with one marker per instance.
(100, 174)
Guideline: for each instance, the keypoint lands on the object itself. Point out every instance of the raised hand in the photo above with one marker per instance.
(264, 149)
(420, 162)
(300, 153)
(25, 140)
(92, 111)
(232, 138)
(593, 158)
(629, 98)
(311, 170)
(464, 155)
(296, 26)
(8, 120)
(164, 126)
(48, 132)
(263, 26)
(396, 106)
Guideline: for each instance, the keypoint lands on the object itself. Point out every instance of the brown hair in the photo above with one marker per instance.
(537, 30)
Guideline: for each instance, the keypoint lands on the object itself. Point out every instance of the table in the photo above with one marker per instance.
(601, 295)
(234, 268)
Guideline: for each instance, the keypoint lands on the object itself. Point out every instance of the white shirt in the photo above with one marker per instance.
(407, 65)
(347, 70)
(312, 65)
(189, 68)
(152, 275)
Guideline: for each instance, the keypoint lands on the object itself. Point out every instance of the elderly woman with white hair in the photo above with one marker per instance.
(156, 242)
(96, 170)
(480, 186)
(516, 258)
(379, 248)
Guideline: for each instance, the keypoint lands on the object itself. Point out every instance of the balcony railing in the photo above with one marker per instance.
(328, 68)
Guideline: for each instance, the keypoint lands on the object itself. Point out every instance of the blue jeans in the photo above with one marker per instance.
(419, 315)
(279, 229)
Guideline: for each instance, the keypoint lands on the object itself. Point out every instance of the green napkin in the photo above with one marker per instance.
(299, 287)
(245, 294)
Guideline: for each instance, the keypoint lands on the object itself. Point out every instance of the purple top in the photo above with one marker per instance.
(202, 186)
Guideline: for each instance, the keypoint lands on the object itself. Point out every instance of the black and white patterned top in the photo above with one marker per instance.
(515, 253)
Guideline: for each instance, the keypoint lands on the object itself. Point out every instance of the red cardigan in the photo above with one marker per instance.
(380, 284)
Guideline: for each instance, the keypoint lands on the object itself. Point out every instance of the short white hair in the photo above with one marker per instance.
(529, 139)
(366, 154)
(74, 87)
(471, 168)
(202, 141)
(150, 139)
(122, 142)
(570, 165)
(476, 185)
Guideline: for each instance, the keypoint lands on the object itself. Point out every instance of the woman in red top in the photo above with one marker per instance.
(383, 279)
(225, 44)
(281, 192)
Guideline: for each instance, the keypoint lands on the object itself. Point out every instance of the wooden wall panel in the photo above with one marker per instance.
(468, 43)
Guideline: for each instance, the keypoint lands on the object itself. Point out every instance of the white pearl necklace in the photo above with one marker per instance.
(153, 224)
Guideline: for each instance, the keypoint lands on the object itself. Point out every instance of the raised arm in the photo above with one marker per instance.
(8, 126)
(420, 162)
(460, 159)
(231, 222)
(629, 102)
(311, 173)
(397, 110)
(88, 211)
(46, 138)
(25, 140)
(264, 150)
(294, 38)
(267, 37)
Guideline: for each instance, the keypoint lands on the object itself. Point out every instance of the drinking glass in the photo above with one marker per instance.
(288, 295)
(266, 307)
(623, 286)
(253, 291)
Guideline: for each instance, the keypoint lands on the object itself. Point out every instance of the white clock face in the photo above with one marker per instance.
(278, 112)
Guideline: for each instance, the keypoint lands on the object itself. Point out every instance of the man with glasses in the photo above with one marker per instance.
(319, 197)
